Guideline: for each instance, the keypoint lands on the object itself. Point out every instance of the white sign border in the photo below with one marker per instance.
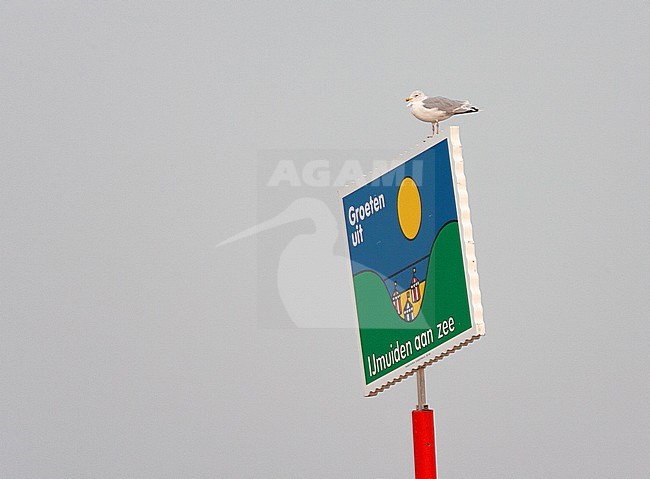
(477, 328)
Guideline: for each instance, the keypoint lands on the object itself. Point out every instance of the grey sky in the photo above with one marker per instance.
(138, 135)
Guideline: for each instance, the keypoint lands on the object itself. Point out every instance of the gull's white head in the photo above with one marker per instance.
(417, 95)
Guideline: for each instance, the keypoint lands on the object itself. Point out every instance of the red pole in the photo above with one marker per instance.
(424, 444)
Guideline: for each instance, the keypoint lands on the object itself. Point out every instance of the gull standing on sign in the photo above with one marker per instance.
(436, 109)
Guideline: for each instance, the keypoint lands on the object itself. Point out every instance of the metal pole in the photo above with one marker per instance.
(422, 390)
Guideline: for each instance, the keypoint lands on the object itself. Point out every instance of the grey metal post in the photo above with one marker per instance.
(422, 392)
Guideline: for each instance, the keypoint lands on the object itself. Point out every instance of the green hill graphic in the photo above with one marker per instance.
(445, 296)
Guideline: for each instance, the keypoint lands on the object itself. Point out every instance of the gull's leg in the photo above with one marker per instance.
(433, 129)
(437, 125)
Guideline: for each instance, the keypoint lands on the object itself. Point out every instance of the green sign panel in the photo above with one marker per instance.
(413, 265)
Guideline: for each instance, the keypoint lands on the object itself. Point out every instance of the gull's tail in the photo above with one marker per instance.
(467, 108)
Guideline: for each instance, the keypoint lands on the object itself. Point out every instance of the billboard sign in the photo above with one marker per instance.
(413, 266)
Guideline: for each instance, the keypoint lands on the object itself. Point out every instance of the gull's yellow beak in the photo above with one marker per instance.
(408, 99)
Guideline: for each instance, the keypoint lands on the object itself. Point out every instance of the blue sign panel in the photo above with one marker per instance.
(411, 273)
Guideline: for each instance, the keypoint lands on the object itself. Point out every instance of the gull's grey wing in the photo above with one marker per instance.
(442, 103)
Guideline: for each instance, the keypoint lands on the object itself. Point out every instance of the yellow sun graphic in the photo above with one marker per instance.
(409, 208)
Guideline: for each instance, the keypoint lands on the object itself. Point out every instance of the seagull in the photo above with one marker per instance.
(436, 109)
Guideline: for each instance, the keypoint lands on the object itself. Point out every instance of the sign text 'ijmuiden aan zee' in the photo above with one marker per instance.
(413, 265)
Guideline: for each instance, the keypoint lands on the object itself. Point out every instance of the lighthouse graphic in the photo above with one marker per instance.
(415, 288)
(397, 302)
(408, 309)
(408, 302)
